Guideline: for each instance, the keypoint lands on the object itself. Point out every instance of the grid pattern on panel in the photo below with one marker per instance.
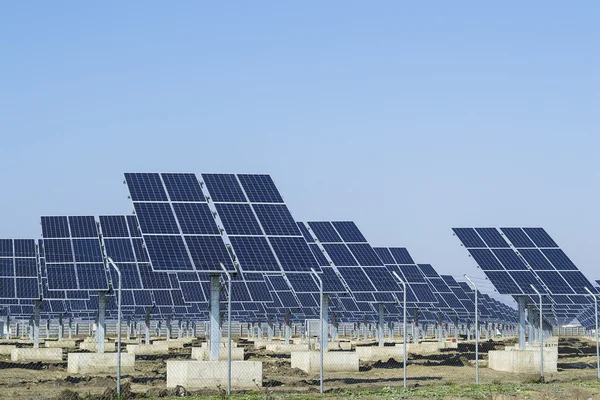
(263, 237)
(535, 259)
(74, 261)
(121, 245)
(19, 277)
(178, 227)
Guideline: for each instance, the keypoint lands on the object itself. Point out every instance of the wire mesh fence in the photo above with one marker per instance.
(172, 357)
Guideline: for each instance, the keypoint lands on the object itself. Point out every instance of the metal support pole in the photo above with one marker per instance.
(476, 331)
(541, 335)
(101, 325)
(380, 326)
(522, 326)
(288, 330)
(60, 327)
(228, 329)
(403, 324)
(323, 332)
(36, 324)
(597, 337)
(215, 317)
(118, 327)
(147, 325)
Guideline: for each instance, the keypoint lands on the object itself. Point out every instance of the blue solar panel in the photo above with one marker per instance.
(536, 259)
(331, 282)
(77, 261)
(145, 187)
(224, 188)
(356, 279)
(469, 237)
(319, 256)
(254, 253)
(195, 219)
(18, 270)
(325, 232)
(82, 227)
(554, 282)
(276, 219)
(486, 260)
(238, 219)
(559, 259)
(208, 252)
(293, 253)
(340, 255)
(305, 232)
(303, 283)
(382, 279)
(577, 281)
(510, 260)
(365, 254)
(411, 273)
(492, 237)
(384, 255)
(133, 224)
(503, 282)
(517, 237)
(156, 218)
(540, 237)
(260, 188)
(349, 231)
(428, 270)
(401, 255)
(183, 187)
(168, 253)
(114, 226)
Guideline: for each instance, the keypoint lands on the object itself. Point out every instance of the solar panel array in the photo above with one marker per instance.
(19, 274)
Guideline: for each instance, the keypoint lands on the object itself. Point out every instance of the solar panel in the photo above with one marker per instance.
(73, 255)
(121, 244)
(19, 277)
(535, 260)
(262, 232)
(177, 224)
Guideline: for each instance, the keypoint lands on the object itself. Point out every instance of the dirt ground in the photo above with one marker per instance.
(576, 365)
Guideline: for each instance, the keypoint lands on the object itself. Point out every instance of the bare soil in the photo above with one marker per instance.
(577, 363)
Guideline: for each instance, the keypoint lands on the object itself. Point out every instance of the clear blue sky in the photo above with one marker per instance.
(409, 118)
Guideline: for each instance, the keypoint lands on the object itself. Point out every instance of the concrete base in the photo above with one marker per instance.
(6, 349)
(41, 354)
(286, 348)
(93, 363)
(63, 344)
(523, 361)
(194, 375)
(148, 349)
(203, 353)
(222, 344)
(376, 353)
(334, 361)
(109, 347)
(345, 345)
(428, 347)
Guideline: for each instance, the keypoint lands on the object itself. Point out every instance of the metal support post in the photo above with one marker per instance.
(403, 325)
(323, 334)
(541, 336)
(380, 326)
(215, 317)
(597, 337)
(476, 330)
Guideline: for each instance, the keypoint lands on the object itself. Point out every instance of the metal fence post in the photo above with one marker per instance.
(228, 329)
(403, 325)
(322, 345)
(541, 335)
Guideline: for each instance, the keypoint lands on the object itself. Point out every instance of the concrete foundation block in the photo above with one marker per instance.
(286, 348)
(428, 347)
(376, 353)
(63, 344)
(41, 354)
(333, 361)
(343, 345)
(148, 349)
(93, 347)
(6, 349)
(94, 363)
(222, 344)
(203, 353)
(194, 375)
(523, 361)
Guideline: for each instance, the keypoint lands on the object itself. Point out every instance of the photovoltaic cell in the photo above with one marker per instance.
(517, 237)
(325, 232)
(492, 237)
(401, 255)
(260, 188)
(540, 237)
(349, 231)
(384, 255)
(238, 219)
(469, 237)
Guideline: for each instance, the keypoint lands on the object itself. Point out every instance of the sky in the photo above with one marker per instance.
(409, 118)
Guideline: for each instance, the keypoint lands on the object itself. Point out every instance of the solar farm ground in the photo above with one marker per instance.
(448, 375)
